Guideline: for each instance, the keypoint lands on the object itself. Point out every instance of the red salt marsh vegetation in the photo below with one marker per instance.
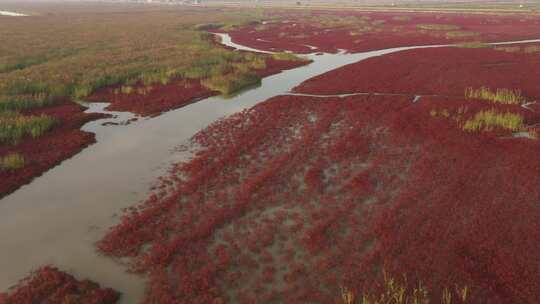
(144, 61)
(434, 71)
(308, 200)
(153, 99)
(303, 199)
(35, 155)
(302, 31)
(50, 285)
(31, 155)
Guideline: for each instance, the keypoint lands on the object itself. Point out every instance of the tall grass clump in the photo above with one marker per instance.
(24, 87)
(12, 161)
(24, 102)
(208, 26)
(21, 64)
(503, 96)
(490, 120)
(105, 49)
(246, 67)
(532, 49)
(461, 34)
(283, 56)
(438, 27)
(396, 293)
(14, 126)
(218, 63)
(229, 84)
(126, 89)
(85, 87)
(402, 18)
(473, 45)
(508, 49)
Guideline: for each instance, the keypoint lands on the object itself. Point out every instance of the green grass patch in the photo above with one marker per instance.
(126, 89)
(473, 45)
(461, 34)
(532, 49)
(283, 56)
(438, 27)
(441, 113)
(24, 102)
(208, 26)
(105, 48)
(508, 49)
(21, 64)
(395, 292)
(12, 161)
(247, 67)
(332, 21)
(232, 83)
(503, 96)
(490, 120)
(14, 126)
(402, 18)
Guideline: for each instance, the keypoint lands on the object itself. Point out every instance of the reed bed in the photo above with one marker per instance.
(95, 51)
(438, 27)
(490, 120)
(15, 126)
(502, 96)
(395, 292)
(12, 161)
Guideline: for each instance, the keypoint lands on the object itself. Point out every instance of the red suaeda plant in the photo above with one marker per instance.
(149, 100)
(44, 152)
(432, 71)
(268, 196)
(453, 220)
(152, 100)
(298, 197)
(355, 31)
(50, 285)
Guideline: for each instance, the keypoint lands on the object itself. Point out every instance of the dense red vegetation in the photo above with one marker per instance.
(299, 196)
(455, 220)
(51, 286)
(159, 98)
(295, 30)
(436, 71)
(274, 66)
(42, 153)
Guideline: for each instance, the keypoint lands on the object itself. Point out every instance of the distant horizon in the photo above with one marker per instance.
(360, 2)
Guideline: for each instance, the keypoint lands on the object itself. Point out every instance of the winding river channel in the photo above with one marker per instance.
(58, 217)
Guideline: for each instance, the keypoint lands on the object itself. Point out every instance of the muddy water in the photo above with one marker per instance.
(59, 216)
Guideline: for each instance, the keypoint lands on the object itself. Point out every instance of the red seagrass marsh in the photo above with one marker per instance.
(218, 153)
